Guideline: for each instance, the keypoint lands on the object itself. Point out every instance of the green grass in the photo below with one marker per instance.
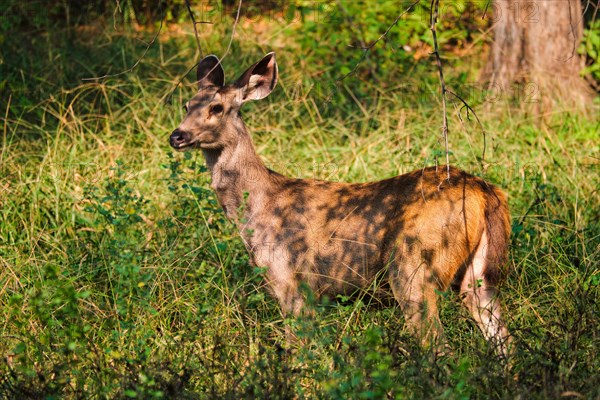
(120, 277)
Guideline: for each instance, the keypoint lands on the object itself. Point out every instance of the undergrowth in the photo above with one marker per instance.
(121, 278)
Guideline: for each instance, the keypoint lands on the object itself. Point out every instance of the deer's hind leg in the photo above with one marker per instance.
(481, 298)
(413, 285)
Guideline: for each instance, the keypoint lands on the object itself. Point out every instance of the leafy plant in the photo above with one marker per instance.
(590, 47)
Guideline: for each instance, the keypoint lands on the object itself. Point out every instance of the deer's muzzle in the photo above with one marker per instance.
(179, 139)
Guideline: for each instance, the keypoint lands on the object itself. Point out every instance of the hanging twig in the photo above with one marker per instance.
(358, 34)
(580, 21)
(170, 95)
(235, 23)
(574, 48)
(469, 108)
(351, 23)
(596, 8)
(433, 14)
(366, 48)
(485, 10)
(148, 45)
(194, 23)
(117, 8)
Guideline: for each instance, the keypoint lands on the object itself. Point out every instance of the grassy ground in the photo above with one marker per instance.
(120, 277)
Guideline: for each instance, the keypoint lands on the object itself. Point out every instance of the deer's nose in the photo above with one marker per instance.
(179, 138)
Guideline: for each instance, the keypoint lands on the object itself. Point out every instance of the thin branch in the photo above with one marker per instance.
(485, 10)
(434, 13)
(353, 70)
(359, 36)
(582, 22)
(139, 59)
(170, 95)
(573, 33)
(469, 108)
(235, 24)
(435, 4)
(117, 8)
(189, 8)
(585, 10)
(366, 48)
(596, 9)
(384, 34)
(351, 23)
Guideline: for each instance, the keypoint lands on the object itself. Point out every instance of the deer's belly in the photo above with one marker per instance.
(328, 263)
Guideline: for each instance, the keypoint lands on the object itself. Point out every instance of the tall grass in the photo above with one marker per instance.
(120, 276)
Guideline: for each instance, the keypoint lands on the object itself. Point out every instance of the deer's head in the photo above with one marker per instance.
(212, 113)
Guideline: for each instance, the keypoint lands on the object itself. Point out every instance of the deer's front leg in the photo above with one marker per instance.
(281, 279)
(287, 294)
(285, 288)
(284, 285)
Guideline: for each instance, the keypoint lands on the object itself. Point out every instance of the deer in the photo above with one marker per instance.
(421, 232)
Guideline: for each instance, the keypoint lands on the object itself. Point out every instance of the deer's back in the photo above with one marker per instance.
(341, 235)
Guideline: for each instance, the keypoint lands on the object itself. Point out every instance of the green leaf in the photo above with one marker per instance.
(19, 348)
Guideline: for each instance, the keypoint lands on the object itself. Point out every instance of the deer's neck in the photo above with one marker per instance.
(237, 170)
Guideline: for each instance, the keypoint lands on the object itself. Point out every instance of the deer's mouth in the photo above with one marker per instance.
(183, 140)
(197, 145)
(185, 146)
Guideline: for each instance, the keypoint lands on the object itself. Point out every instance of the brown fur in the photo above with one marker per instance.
(421, 231)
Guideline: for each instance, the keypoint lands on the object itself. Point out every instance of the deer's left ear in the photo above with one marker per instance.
(210, 72)
(258, 80)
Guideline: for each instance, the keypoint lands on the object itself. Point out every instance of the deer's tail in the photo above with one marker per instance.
(497, 225)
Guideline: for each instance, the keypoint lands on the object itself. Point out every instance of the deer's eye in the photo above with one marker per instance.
(216, 109)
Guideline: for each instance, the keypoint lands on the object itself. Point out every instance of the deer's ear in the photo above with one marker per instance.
(210, 72)
(258, 80)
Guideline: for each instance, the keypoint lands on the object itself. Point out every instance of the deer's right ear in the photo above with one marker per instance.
(210, 72)
(258, 80)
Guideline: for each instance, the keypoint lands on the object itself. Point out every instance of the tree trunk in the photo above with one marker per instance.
(534, 54)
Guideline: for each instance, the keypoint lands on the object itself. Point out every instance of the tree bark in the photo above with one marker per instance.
(534, 53)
